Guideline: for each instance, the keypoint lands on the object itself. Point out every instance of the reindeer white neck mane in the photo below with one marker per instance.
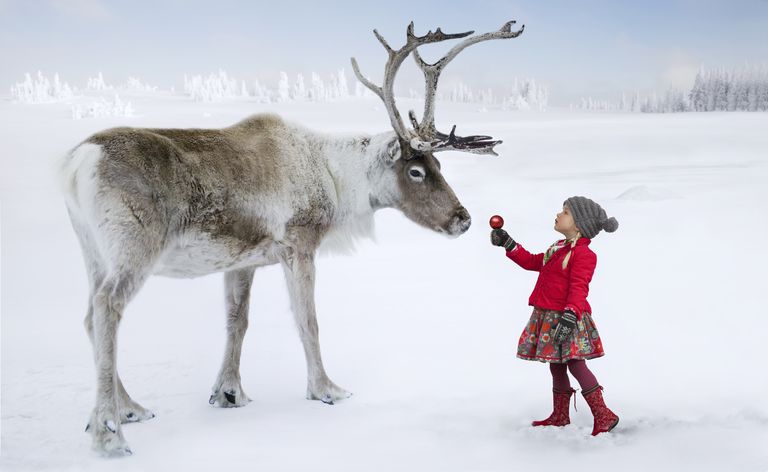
(362, 185)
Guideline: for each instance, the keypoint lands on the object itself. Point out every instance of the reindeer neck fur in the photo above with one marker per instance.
(363, 183)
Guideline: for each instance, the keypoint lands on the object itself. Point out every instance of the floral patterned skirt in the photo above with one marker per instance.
(536, 341)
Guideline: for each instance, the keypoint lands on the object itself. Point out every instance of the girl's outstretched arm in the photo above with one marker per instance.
(525, 259)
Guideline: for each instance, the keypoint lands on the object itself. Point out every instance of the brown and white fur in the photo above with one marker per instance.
(186, 203)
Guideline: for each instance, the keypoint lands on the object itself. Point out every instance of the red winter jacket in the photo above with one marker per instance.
(558, 289)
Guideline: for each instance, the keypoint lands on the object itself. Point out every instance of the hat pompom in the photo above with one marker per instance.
(611, 225)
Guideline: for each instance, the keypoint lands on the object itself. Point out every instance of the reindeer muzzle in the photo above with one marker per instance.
(460, 222)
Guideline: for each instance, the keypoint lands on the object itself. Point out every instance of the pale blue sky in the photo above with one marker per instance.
(578, 48)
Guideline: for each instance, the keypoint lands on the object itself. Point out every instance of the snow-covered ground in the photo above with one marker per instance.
(421, 328)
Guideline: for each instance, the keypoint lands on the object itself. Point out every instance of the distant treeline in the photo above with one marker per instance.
(742, 89)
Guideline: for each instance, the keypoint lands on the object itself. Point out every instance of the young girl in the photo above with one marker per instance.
(561, 331)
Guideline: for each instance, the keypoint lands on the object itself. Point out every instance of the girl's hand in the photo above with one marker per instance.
(499, 237)
(565, 327)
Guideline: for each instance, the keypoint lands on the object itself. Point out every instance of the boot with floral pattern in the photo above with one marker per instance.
(605, 419)
(559, 416)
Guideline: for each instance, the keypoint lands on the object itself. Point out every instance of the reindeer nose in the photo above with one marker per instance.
(463, 220)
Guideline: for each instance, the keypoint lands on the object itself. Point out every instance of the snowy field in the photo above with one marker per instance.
(422, 329)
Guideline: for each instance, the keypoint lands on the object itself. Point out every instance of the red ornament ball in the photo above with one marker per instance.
(496, 222)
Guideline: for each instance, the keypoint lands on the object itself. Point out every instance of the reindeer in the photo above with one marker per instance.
(190, 202)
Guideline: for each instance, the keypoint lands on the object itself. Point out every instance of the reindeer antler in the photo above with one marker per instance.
(396, 58)
(435, 140)
(425, 136)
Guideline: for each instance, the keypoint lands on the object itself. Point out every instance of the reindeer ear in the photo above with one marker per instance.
(393, 150)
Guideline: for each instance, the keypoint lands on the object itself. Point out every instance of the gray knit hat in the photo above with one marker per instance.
(590, 217)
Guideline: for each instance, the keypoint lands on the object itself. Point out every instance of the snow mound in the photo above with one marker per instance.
(103, 108)
(643, 193)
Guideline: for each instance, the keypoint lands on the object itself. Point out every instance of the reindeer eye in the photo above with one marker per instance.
(416, 174)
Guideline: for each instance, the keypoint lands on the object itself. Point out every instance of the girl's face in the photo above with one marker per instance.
(564, 223)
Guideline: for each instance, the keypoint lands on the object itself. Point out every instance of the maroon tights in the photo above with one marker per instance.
(578, 369)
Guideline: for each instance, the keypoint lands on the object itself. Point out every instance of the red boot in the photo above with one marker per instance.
(559, 416)
(605, 419)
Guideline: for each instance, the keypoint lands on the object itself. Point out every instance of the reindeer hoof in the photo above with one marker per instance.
(132, 412)
(110, 425)
(132, 417)
(329, 394)
(119, 452)
(107, 437)
(229, 398)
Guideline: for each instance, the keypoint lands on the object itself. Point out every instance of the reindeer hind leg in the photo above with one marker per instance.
(109, 303)
(126, 251)
(130, 411)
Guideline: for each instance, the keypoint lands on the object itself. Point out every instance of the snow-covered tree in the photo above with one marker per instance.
(41, 90)
(317, 90)
(487, 97)
(299, 91)
(283, 89)
(342, 84)
(135, 85)
(338, 87)
(97, 83)
(261, 93)
(527, 95)
(741, 92)
(542, 97)
(721, 90)
(737, 90)
(594, 104)
(752, 94)
(516, 102)
(103, 108)
(698, 95)
(215, 87)
(762, 92)
(742, 89)
(460, 93)
(650, 104)
(674, 101)
(624, 103)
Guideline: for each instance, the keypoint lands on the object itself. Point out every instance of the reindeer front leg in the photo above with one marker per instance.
(299, 268)
(228, 391)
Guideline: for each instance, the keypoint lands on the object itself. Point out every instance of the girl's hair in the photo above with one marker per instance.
(568, 256)
(573, 243)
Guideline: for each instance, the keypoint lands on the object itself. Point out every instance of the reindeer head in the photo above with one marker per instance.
(425, 197)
